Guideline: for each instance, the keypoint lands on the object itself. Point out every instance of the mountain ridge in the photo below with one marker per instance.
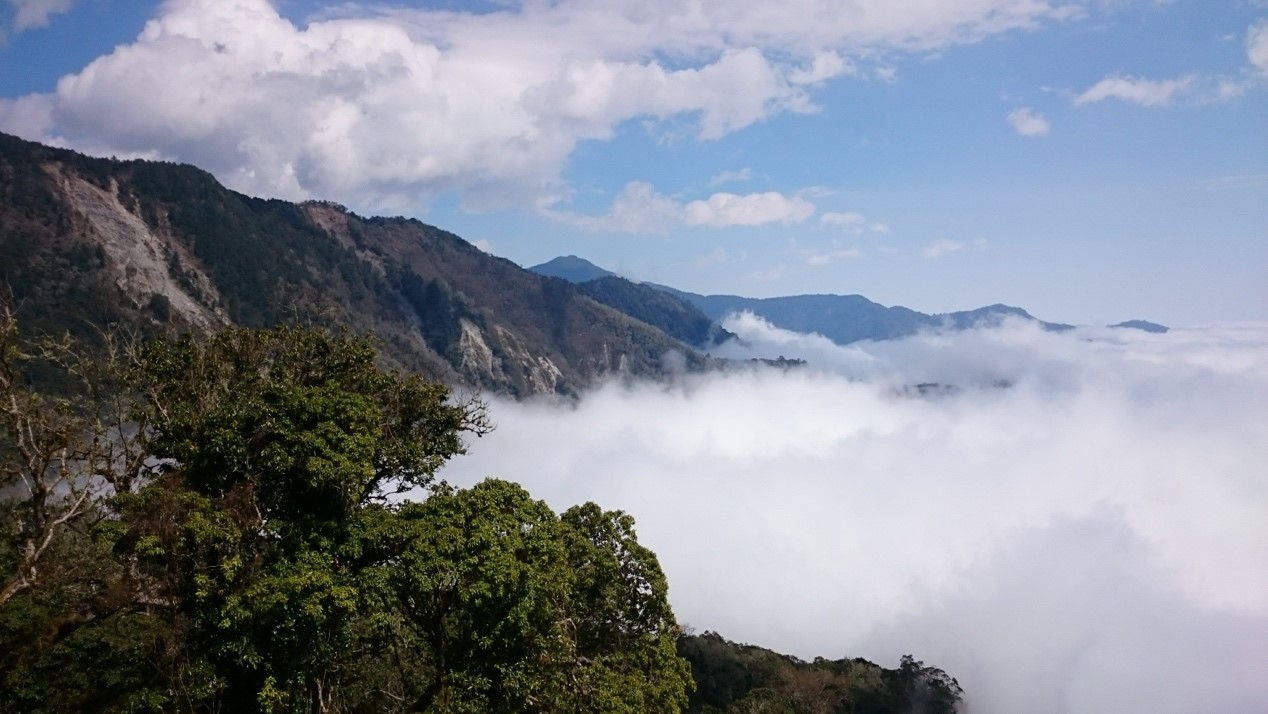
(87, 243)
(844, 319)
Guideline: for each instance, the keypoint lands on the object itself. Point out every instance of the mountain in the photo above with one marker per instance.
(572, 269)
(841, 318)
(678, 318)
(1144, 325)
(850, 318)
(154, 247)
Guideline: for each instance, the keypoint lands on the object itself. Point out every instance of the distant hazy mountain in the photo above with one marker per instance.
(1144, 325)
(151, 246)
(850, 318)
(841, 318)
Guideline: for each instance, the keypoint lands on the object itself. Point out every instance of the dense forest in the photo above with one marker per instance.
(216, 524)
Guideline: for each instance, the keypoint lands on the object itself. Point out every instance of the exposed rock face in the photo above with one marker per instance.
(140, 259)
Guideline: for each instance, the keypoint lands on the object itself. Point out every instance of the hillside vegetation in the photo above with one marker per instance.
(156, 247)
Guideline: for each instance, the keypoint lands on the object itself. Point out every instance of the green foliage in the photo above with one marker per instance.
(733, 677)
(438, 313)
(303, 418)
(260, 565)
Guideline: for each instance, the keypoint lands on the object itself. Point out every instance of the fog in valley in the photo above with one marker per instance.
(1067, 522)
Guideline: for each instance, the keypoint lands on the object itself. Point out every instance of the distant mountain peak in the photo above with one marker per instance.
(1144, 325)
(572, 269)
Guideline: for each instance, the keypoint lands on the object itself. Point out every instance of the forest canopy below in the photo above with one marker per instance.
(214, 524)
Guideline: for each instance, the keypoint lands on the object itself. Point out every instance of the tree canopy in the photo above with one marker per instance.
(248, 554)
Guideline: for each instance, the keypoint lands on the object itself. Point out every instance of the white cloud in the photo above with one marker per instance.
(1145, 92)
(1257, 46)
(31, 14)
(380, 107)
(824, 66)
(1028, 122)
(728, 209)
(1048, 543)
(639, 208)
(943, 246)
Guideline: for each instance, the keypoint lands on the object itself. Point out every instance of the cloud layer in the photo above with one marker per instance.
(1089, 538)
(387, 107)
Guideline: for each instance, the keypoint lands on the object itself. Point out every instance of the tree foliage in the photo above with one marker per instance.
(739, 678)
(254, 558)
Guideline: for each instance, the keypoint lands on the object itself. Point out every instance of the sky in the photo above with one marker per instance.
(1089, 160)
(1088, 540)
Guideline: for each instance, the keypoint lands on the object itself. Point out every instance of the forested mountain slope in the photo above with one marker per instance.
(87, 242)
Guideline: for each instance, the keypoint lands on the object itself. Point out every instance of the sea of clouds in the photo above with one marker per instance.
(1072, 522)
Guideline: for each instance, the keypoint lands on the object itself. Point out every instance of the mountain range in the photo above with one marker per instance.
(841, 318)
(155, 247)
(151, 247)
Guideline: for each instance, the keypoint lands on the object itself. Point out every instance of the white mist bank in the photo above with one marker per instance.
(1092, 538)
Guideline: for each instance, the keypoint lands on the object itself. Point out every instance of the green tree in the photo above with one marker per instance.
(254, 558)
(511, 605)
(275, 443)
(624, 631)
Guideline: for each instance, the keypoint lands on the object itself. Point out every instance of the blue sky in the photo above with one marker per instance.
(1089, 160)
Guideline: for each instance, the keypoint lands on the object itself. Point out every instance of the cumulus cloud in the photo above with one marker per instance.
(728, 209)
(942, 246)
(1145, 92)
(640, 208)
(1089, 538)
(1028, 122)
(31, 14)
(384, 107)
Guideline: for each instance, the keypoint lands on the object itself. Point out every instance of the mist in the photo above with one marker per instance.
(1072, 522)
